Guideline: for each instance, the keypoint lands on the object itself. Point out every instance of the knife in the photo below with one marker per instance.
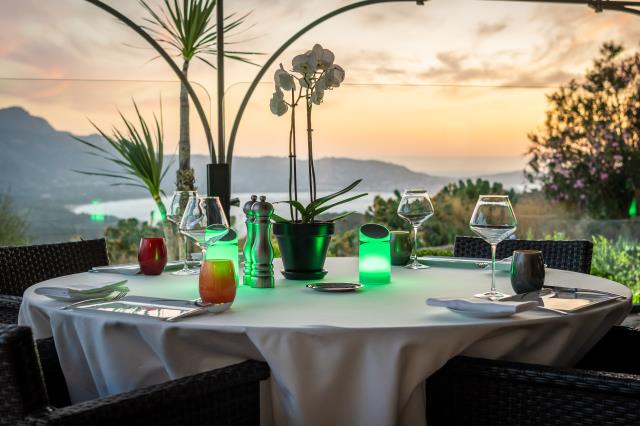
(584, 290)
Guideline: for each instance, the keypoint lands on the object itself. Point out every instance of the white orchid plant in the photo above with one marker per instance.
(312, 74)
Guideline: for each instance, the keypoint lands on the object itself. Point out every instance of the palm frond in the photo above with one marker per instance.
(136, 149)
(189, 27)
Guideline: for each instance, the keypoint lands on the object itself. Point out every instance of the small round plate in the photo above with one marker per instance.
(479, 314)
(301, 275)
(335, 287)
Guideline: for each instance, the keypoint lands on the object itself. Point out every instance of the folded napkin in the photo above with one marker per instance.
(83, 291)
(482, 305)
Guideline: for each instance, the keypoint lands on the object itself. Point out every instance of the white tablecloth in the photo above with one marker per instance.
(335, 359)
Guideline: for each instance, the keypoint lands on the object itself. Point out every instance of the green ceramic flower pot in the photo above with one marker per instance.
(303, 247)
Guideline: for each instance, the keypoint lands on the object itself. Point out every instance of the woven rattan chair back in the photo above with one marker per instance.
(21, 267)
(22, 389)
(568, 255)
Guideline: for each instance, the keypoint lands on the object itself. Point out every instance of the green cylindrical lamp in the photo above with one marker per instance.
(374, 254)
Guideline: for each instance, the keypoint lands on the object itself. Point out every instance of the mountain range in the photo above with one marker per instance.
(38, 162)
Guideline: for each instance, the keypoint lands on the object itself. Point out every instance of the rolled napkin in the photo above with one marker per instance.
(78, 292)
(481, 305)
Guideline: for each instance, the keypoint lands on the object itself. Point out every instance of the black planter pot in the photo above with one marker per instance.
(303, 247)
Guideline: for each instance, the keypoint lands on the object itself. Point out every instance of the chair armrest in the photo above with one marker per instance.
(486, 392)
(228, 395)
(9, 308)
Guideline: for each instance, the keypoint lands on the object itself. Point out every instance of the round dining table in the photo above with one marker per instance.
(357, 358)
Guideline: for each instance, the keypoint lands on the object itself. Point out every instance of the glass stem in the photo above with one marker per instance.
(414, 255)
(186, 253)
(493, 267)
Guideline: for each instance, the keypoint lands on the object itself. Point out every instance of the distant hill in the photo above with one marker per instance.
(37, 163)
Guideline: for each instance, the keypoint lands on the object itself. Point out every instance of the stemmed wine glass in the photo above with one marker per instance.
(175, 211)
(204, 222)
(415, 207)
(493, 220)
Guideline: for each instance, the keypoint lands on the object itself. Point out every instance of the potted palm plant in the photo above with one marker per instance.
(303, 239)
(188, 30)
(137, 151)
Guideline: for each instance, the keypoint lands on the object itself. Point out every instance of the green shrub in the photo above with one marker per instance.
(436, 251)
(124, 237)
(618, 261)
(13, 227)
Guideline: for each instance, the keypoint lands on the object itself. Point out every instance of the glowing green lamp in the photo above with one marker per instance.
(226, 248)
(374, 256)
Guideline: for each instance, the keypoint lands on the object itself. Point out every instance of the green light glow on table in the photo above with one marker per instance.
(226, 248)
(97, 215)
(374, 256)
(633, 210)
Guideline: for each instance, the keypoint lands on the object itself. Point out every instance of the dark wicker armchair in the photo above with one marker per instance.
(568, 255)
(21, 267)
(226, 396)
(604, 389)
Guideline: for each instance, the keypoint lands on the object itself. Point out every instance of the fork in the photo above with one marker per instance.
(119, 295)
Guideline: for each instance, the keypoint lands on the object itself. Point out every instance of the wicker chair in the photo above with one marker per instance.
(568, 255)
(226, 396)
(604, 389)
(21, 267)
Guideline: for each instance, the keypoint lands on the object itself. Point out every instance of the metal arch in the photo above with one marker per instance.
(597, 5)
(192, 94)
(271, 60)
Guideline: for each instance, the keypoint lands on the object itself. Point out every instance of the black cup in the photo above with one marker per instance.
(400, 248)
(527, 271)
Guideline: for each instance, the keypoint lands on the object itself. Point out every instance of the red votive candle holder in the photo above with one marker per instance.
(152, 256)
(217, 281)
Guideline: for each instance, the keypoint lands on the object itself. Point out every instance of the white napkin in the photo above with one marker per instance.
(482, 305)
(83, 291)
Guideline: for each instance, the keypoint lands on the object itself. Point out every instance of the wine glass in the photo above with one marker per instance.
(415, 207)
(204, 221)
(175, 211)
(493, 220)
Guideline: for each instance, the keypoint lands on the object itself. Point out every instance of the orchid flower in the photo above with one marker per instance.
(306, 63)
(277, 104)
(284, 80)
(324, 57)
(335, 76)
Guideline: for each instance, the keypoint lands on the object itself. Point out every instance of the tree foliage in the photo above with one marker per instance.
(124, 237)
(588, 152)
(13, 227)
(453, 206)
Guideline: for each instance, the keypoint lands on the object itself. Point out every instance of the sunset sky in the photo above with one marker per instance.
(414, 73)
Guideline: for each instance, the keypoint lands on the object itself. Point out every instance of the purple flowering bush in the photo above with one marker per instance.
(587, 154)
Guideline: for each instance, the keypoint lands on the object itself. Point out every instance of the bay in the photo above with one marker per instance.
(144, 209)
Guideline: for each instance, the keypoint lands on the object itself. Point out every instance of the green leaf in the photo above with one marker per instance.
(279, 219)
(298, 206)
(330, 206)
(320, 201)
